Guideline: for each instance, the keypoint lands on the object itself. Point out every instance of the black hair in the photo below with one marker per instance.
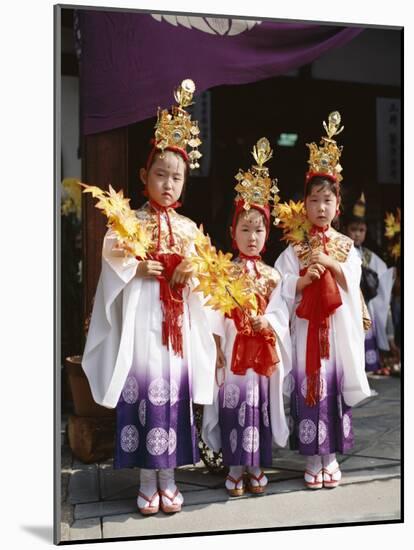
(322, 182)
(329, 184)
(158, 152)
(351, 218)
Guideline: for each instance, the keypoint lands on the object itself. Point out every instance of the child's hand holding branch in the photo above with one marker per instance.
(182, 273)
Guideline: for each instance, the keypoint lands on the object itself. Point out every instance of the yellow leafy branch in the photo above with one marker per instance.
(392, 224)
(71, 198)
(393, 232)
(121, 219)
(223, 286)
(293, 221)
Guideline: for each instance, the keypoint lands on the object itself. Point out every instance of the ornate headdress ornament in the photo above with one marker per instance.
(359, 207)
(176, 129)
(255, 187)
(324, 160)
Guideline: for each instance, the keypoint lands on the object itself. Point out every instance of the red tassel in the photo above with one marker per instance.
(319, 300)
(251, 349)
(172, 322)
(313, 389)
(172, 303)
(324, 339)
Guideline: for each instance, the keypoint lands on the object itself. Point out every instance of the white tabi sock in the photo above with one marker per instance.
(314, 464)
(256, 471)
(167, 484)
(329, 462)
(331, 467)
(148, 486)
(235, 472)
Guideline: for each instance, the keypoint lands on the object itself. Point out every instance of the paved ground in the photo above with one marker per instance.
(99, 502)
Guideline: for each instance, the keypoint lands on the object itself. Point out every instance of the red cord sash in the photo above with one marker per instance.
(251, 349)
(172, 304)
(319, 300)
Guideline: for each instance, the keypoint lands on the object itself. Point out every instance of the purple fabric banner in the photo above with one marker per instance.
(131, 62)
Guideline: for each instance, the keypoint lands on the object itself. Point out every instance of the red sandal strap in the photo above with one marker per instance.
(150, 500)
(331, 474)
(261, 475)
(235, 481)
(311, 474)
(171, 499)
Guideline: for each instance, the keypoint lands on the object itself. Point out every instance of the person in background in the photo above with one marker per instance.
(376, 285)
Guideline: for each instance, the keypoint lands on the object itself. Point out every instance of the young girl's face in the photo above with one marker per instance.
(165, 178)
(250, 233)
(357, 231)
(321, 205)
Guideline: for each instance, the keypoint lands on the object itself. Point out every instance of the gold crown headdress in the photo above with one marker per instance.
(359, 207)
(176, 129)
(324, 160)
(255, 186)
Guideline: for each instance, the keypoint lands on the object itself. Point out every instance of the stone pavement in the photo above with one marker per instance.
(100, 503)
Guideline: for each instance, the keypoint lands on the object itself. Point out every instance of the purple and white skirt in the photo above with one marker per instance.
(244, 420)
(155, 424)
(325, 427)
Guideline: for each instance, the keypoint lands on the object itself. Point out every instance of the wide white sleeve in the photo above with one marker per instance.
(349, 333)
(106, 329)
(288, 266)
(277, 313)
(215, 318)
(201, 351)
(379, 306)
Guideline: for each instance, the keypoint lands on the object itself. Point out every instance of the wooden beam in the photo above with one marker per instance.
(105, 161)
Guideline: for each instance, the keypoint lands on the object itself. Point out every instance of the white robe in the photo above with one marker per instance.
(126, 324)
(379, 306)
(278, 316)
(345, 325)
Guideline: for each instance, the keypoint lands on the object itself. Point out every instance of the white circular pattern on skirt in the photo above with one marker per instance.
(322, 432)
(130, 390)
(142, 411)
(250, 439)
(289, 383)
(172, 441)
(252, 393)
(346, 423)
(231, 396)
(159, 392)
(323, 390)
(242, 414)
(291, 424)
(129, 438)
(173, 392)
(265, 413)
(371, 356)
(233, 440)
(307, 431)
(157, 441)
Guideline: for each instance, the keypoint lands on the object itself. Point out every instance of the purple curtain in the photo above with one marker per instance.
(131, 62)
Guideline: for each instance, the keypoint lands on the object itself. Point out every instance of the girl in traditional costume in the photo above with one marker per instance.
(321, 276)
(253, 351)
(150, 352)
(376, 284)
